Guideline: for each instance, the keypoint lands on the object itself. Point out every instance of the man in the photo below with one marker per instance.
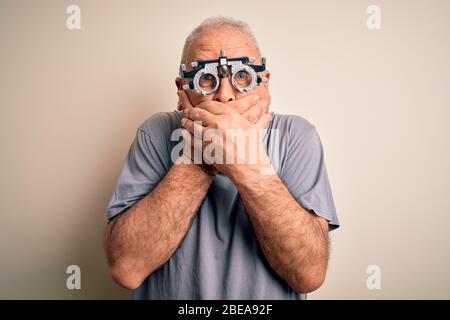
(227, 229)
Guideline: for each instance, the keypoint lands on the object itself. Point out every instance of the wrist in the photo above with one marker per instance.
(243, 174)
(208, 169)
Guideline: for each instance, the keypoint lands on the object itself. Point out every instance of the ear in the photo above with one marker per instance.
(266, 74)
(179, 84)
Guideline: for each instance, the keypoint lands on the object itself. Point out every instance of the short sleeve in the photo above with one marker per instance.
(305, 174)
(144, 167)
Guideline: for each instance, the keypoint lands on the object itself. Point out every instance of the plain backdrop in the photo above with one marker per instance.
(71, 101)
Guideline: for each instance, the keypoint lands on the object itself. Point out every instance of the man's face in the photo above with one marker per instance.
(235, 44)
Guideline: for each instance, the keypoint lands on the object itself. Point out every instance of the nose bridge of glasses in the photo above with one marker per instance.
(228, 80)
(221, 73)
(225, 81)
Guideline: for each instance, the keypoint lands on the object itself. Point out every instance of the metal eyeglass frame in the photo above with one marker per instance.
(210, 67)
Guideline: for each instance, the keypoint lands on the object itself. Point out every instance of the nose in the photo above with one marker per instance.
(225, 92)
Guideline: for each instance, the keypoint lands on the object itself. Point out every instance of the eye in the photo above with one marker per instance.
(207, 77)
(242, 75)
(207, 82)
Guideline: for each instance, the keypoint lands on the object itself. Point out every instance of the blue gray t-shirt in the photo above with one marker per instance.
(220, 257)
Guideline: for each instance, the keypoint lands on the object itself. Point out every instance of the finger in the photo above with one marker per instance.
(198, 114)
(185, 102)
(193, 127)
(193, 147)
(245, 103)
(186, 106)
(254, 113)
(264, 121)
(187, 111)
(213, 107)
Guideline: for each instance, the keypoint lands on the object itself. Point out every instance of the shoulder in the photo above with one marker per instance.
(297, 136)
(156, 131)
(291, 126)
(161, 124)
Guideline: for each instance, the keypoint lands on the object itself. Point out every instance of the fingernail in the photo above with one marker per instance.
(255, 98)
(183, 121)
(264, 104)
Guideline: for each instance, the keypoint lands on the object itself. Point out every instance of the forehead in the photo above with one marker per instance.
(235, 44)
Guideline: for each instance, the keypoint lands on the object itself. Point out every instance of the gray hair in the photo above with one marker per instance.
(215, 22)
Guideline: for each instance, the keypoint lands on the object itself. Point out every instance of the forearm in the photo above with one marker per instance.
(146, 236)
(292, 239)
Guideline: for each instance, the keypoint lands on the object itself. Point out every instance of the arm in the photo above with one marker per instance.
(145, 237)
(294, 241)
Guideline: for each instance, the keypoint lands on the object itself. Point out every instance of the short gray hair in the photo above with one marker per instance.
(215, 22)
